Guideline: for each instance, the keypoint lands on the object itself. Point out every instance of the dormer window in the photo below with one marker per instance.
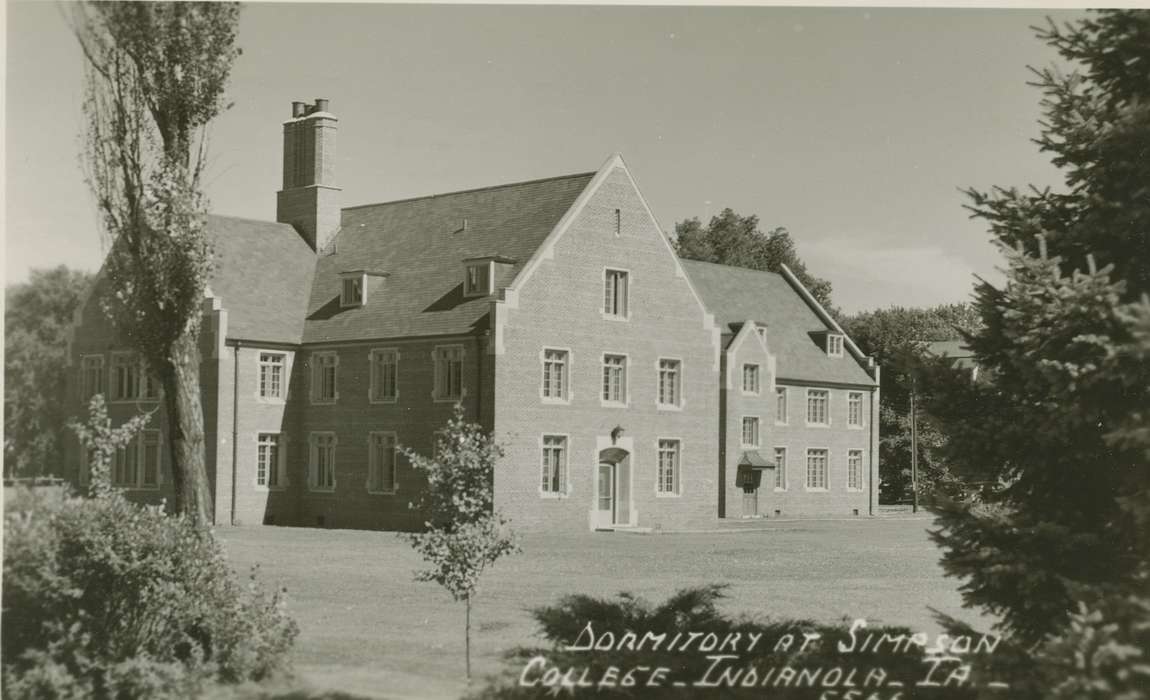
(834, 345)
(477, 282)
(352, 292)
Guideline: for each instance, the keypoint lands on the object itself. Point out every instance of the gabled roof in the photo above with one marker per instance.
(421, 244)
(954, 349)
(736, 294)
(262, 276)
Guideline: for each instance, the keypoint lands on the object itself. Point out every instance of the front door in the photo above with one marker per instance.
(750, 502)
(606, 502)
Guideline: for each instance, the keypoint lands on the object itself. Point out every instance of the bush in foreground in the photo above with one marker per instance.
(103, 598)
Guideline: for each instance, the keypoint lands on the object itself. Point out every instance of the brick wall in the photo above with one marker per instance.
(561, 306)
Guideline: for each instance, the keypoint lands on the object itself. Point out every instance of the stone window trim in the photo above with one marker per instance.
(372, 436)
(565, 487)
(568, 365)
(814, 394)
(757, 425)
(281, 460)
(285, 375)
(680, 382)
(852, 397)
(98, 372)
(144, 377)
(782, 399)
(755, 375)
(626, 388)
(628, 281)
(852, 454)
(149, 437)
(438, 380)
(781, 468)
(316, 361)
(313, 440)
(677, 475)
(826, 454)
(374, 379)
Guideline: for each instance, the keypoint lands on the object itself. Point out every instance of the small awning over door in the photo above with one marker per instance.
(750, 469)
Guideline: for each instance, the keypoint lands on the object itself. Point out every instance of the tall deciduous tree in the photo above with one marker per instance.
(464, 534)
(1065, 421)
(731, 239)
(37, 316)
(155, 77)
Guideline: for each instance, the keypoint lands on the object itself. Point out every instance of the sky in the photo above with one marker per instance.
(855, 128)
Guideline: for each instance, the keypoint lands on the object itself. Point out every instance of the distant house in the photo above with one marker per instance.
(956, 350)
(630, 388)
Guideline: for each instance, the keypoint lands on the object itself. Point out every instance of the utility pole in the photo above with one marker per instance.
(913, 449)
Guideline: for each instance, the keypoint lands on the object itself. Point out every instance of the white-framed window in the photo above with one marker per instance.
(667, 479)
(324, 377)
(384, 380)
(381, 462)
(750, 431)
(855, 409)
(818, 407)
(91, 375)
(272, 375)
(351, 293)
(615, 379)
(477, 279)
(855, 470)
(137, 464)
(615, 290)
(270, 461)
(750, 378)
(321, 461)
(554, 465)
(780, 405)
(834, 345)
(780, 469)
(670, 383)
(448, 372)
(555, 373)
(816, 469)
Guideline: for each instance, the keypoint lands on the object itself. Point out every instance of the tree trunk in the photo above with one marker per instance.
(181, 382)
(467, 639)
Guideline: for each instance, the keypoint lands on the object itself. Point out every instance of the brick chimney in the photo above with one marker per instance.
(309, 199)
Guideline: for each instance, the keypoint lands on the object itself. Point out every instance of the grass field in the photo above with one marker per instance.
(368, 628)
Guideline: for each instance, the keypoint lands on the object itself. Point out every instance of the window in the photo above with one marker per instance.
(272, 376)
(817, 400)
(618, 222)
(384, 385)
(667, 481)
(750, 379)
(834, 345)
(555, 374)
(615, 379)
(669, 382)
(92, 375)
(449, 372)
(554, 465)
(615, 294)
(137, 464)
(762, 331)
(269, 461)
(381, 463)
(780, 469)
(125, 377)
(352, 291)
(321, 465)
(781, 405)
(477, 281)
(750, 431)
(854, 470)
(131, 380)
(817, 469)
(323, 377)
(854, 409)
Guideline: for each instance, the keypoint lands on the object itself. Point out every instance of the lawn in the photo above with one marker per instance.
(368, 628)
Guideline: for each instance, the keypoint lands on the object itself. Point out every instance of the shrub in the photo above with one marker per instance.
(104, 598)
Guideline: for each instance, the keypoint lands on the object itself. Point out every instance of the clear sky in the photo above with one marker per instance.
(853, 127)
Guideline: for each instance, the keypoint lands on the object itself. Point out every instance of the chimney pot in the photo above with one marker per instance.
(297, 109)
(320, 104)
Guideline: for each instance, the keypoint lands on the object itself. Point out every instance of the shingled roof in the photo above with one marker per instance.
(262, 276)
(420, 245)
(735, 295)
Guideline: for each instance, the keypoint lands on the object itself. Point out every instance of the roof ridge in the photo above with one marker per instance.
(473, 189)
(247, 218)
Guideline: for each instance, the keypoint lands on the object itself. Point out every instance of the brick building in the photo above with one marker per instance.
(629, 388)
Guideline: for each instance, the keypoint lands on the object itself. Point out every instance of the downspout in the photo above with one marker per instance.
(235, 423)
(874, 428)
